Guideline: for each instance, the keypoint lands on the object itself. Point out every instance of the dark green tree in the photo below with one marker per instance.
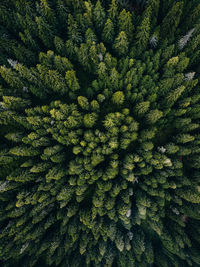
(99, 139)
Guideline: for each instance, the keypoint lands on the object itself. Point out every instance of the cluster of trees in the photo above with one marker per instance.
(100, 142)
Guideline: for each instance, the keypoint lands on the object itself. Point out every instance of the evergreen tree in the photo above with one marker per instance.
(99, 15)
(121, 44)
(108, 31)
(118, 98)
(125, 24)
(73, 30)
(172, 20)
(112, 11)
(99, 118)
(143, 33)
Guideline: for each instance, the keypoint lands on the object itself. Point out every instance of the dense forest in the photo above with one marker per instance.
(99, 133)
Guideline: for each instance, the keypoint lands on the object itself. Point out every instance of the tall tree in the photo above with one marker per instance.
(121, 44)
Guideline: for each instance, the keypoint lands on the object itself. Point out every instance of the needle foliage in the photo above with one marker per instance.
(99, 139)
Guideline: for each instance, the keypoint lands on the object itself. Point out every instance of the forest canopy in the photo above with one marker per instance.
(99, 133)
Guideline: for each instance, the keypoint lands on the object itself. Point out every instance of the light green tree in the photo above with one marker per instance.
(121, 44)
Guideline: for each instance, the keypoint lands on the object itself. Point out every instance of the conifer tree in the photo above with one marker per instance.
(172, 19)
(121, 43)
(143, 32)
(99, 15)
(108, 31)
(125, 23)
(113, 10)
(99, 140)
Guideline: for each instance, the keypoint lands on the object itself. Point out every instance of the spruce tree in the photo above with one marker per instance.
(99, 140)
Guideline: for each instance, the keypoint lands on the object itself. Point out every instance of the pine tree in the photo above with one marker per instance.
(153, 116)
(72, 81)
(108, 31)
(121, 44)
(90, 119)
(143, 33)
(90, 36)
(99, 117)
(118, 98)
(172, 20)
(125, 23)
(99, 15)
(184, 40)
(45, 31)
(112, 11)
(73, 30)
(173, 96)
(142, 107)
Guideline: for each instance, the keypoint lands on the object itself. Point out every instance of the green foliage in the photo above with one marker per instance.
(90, 119)
(99, 140)
(83, 102)
(142, 34)
(72, 81)
(173, 96)
(108, 31)
(99, 15)
(153, 116)
(142, 107)
(172, 19)
(125, 24)
(121, 44)
(118, 98)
